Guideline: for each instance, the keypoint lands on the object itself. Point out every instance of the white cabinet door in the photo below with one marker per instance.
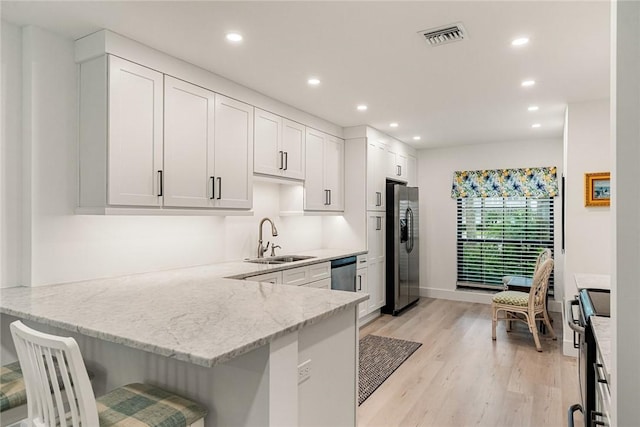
(188, 144)
(293, 148)
(320, 284)
(275, 277)
(401, 159)
(296, 276)
(362, 287)
(334, 172)
(376, 164)
(315, 194)
(233, 153)
(324, 182)
(392, 164)
(268, 156)
(376, 226)
(135, 134)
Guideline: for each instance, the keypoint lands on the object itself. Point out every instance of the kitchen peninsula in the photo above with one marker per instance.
(232, 345)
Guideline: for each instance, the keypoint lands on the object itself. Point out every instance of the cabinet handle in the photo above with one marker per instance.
(326, 197)
(219, 188)
(397, 170)
(378, 198)
(286, 160)
(378, 223)
(400, 169)
(360, 282)
(160, 184)
(213, 187)
(281, 159)
(329, 197)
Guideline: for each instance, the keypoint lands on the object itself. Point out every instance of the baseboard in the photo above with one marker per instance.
(468, 295)
(364, 320)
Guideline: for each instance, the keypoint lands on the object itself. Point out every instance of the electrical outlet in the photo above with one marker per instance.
(304, 371)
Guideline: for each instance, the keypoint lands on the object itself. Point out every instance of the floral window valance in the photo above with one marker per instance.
(534, 183)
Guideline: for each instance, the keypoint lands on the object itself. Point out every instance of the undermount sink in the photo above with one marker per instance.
(283, 259)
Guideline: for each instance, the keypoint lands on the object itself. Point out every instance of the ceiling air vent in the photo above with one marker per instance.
(445, 34)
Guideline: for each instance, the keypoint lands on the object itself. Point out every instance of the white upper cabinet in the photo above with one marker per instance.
(279, 146)
(134, 166)
(293, 148)
(396, 164)
(324, 183)
(376, 172)
(233, 160)
(151, 140)
(188, 144)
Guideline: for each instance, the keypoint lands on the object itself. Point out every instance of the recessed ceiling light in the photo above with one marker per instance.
(234, 37)
(535, 125)
(533, 108)
(393, 125)
(362, 107)
(313, 81)
(520, 41)
(527, 83)
(416, 138)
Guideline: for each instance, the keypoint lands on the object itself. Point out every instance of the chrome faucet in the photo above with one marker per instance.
(274, 232)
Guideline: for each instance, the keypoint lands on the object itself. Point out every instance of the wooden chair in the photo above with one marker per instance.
(59, 392)
(526, 307)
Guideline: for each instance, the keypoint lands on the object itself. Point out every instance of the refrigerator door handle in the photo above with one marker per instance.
(410, 225)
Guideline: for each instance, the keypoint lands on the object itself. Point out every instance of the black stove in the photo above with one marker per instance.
(590, 302)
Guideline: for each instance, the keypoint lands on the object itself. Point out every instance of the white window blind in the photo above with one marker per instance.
(500, 237)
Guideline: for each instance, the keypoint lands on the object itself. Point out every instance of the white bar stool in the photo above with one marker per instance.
(60, 394)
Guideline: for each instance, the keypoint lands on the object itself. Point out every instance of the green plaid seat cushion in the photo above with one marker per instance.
(146, 405)
(512, 298)
(12, 389)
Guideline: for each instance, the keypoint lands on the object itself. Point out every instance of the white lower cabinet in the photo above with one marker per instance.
(313, 276)
(274, 277)
(376, 226)
(362, 287)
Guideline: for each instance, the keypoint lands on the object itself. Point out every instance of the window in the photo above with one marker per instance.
(499, 237)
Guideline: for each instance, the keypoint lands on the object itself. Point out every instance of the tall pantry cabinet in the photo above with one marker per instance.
(377, 158)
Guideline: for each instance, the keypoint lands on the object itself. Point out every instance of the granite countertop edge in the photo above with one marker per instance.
(192, 356)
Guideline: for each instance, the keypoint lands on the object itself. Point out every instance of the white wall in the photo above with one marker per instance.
(11, 155)
(438, 210)
(588, 229)
(60, 246)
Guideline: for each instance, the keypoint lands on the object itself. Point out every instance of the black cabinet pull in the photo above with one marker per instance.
(360, 284)
(286, 160)
(213, 188)
(160, 184)
(219, 188)
(281, 160)
(329, 197)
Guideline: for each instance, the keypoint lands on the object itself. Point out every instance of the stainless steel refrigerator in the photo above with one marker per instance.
(402, 248)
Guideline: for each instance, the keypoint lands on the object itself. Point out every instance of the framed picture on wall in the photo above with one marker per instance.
(597, 189)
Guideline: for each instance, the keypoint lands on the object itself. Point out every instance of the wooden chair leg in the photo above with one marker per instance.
(494, 320)
(534, 330)
(547, 322)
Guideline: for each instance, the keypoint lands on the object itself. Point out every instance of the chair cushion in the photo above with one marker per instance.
(146, 405)
(512, 298)
(12, 389)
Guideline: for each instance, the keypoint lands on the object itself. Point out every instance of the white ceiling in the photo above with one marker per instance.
(370, 52)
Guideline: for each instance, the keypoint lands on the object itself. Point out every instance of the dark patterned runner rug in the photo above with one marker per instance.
(379, 358)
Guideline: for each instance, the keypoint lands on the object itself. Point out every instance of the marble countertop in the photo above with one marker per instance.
(192, 314)
(592, 281)
(601, 327)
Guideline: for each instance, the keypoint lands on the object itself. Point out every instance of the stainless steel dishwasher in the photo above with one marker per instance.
(343, 274)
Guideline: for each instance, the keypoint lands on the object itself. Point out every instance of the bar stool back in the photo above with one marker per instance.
(59, 392)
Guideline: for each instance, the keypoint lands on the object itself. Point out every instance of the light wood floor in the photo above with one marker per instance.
(461, 377)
